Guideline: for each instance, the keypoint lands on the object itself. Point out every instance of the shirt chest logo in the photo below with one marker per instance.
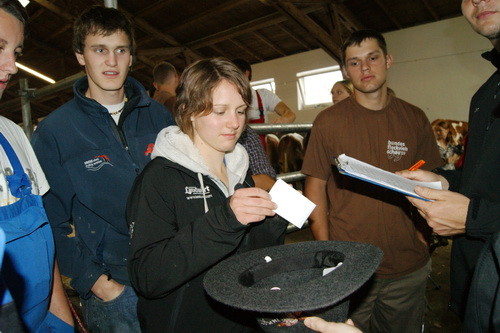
(96, 163)
(396, 150)
(193, 192)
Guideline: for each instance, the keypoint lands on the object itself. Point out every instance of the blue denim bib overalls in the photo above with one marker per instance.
(28, 262)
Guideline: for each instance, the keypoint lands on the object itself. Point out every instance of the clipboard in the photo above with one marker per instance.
(357, 169)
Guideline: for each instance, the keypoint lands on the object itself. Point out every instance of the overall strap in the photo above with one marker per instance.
(261, 106)
(19, 183)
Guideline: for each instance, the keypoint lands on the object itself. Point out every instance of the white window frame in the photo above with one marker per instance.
(268, 84)
(321, 96)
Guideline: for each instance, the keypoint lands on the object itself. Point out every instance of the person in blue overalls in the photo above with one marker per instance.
(31, 293)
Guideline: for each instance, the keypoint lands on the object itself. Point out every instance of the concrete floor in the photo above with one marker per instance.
(438, 319)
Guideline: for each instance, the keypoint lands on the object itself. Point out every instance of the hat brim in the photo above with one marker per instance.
(293, 281)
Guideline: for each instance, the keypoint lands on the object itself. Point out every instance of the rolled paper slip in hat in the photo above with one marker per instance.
(284, 284)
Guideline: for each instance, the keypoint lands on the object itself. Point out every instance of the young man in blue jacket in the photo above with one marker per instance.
(91, 149)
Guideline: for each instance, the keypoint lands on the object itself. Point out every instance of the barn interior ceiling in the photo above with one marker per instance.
(181, 32)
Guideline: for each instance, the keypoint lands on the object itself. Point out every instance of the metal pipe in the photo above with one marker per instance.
(292, 228)
(272, 128)
(291, 177)
(56, 87)
(26, 108)
(111, 4)
(45, 91)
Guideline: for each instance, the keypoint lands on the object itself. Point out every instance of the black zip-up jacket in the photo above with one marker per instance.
(479, 180)
(174, 243)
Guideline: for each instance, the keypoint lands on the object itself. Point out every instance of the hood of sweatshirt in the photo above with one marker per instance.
(178, 147)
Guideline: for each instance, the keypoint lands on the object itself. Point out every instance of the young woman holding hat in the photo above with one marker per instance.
(195, 205)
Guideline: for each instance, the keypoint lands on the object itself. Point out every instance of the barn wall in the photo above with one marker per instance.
(437, 67)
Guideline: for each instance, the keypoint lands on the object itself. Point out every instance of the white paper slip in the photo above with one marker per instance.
(292, 206)
(352, 167)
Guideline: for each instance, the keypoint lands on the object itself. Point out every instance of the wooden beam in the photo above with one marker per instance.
(56, 10)
(293, 35)
(222, 53)
(246, 49)
(431, 10)
(299, 18)
(205, 13)
(63, 29)
(389, 13)
(248, 27)
(162, 51)
(350, 20)
(269, 43)
(154, 7)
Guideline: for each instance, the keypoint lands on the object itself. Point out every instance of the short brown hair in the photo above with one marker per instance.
(98, 20)
(196, 86)
(163, 71)
(357, 37)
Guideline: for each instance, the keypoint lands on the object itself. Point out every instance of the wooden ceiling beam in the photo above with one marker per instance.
(63, 29)
(56, 10)
(269, 43)
(162, 51)
(205, 13)
(349, 19)
(246, 49)
(299, 18)
(293, 35)
(248, 27)
(389, 14)
(431, 10)
(221, 52)
(155, 7)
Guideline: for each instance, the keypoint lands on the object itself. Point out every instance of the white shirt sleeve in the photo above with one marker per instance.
(22, 147)
(269, 102)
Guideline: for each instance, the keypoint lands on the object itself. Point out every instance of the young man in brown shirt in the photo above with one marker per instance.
(391, 134)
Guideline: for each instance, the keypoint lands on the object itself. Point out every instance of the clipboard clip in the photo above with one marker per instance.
(341, 165)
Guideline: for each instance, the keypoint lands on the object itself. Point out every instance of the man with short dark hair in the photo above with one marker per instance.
(391, 134)
(165, 81)
(91, 149)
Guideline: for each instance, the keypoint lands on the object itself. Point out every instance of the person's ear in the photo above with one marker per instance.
(80, 58)
(344, 71)
(388, 61)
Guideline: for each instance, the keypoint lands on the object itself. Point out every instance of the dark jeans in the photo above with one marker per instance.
(116, 316)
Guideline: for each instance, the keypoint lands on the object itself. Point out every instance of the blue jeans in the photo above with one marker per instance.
(116, 316)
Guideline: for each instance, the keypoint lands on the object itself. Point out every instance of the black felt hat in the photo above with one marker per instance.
(283, 284)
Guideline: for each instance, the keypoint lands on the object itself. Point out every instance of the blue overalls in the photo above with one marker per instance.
(28, 262)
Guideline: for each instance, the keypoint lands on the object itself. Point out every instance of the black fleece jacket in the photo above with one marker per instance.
(174, 243)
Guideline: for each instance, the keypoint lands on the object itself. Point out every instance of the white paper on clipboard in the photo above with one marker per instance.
(354, 168)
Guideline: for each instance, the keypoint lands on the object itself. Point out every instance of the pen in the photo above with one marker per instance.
(417, 165)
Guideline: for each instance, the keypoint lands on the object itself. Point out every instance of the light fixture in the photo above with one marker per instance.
(35, 73)
(24, 3)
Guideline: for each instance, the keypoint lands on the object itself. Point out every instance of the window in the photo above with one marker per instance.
(264, 84)
(314, 86)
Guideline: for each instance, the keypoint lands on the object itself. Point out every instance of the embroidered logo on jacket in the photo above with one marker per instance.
(396, 150)
(193, 192)
(97, 163)
(149, 150)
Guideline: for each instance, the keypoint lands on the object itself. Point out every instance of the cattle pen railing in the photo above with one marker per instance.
(290, 177)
